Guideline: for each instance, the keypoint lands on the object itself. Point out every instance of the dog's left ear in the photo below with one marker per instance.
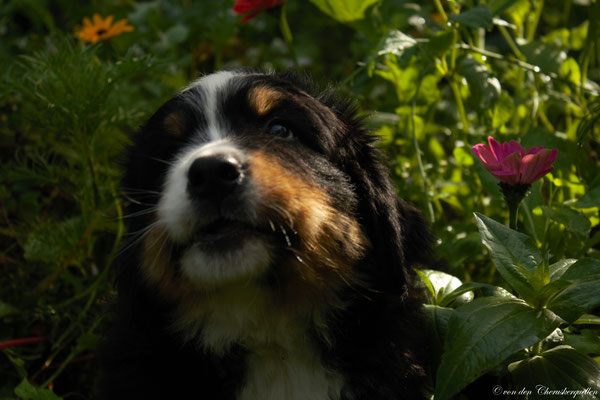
(399, 236)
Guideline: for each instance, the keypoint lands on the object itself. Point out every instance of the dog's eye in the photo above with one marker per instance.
(281, 131)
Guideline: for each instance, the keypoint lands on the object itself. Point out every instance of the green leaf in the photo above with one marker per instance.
(569, 70)
(484, 333)
(518, 11)
(578, 36)
(574, 221)
(582, 295)
(559, 268)
(515, 255)
(546, 56)
(476, 17)
(437, 327)
(87, 341)
(486, 289)
(547, 292)
(463, 157)
(588, 319)
(440, 43)
(484, 87)
(425, 278)
(399, 44)
(443, 284)
(587, 342)
(439, 317)
(177, 33)
(590, 199)
(26, 391)
(556, 369)
(583, 270)
(498, 6)
(344, 10)
(504, 108)
(7, 309)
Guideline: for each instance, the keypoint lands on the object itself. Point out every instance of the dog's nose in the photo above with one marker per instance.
(214, 177)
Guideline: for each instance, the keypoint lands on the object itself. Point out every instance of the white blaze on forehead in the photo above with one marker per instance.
(211, 86)
(175, 209)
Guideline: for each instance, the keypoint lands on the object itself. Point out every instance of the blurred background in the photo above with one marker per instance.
(434, 78)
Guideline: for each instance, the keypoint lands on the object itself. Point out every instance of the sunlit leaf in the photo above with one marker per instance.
(499, 6)
(463, 156)
(515, 255)
(344, 10)
(574, 221)
(504, 108)
(547, 57)
(483, 85)
(569, 70)
(396, 43)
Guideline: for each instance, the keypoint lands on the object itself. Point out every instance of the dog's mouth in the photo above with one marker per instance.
(222, 231)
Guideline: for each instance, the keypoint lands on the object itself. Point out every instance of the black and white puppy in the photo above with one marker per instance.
(272, 258)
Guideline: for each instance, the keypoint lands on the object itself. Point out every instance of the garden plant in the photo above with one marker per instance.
(487, 111)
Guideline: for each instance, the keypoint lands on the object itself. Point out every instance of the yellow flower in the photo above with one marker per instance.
(101, 29)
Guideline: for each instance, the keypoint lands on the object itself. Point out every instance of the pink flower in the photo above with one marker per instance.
(510, 163)
(253, 7)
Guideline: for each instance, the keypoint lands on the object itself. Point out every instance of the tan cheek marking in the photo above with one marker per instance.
(330, 242)
(262, 99)
(158, 266)
(174, 124)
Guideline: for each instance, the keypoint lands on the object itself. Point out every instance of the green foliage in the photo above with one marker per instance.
(485, 332)
(26, 391)
(517, 308)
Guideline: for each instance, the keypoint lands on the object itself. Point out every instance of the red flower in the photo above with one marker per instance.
(251, 8)
(510, 163)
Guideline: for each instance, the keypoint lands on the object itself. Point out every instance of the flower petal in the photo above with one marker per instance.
(97, 19)
(510, 168)
(486, 155)
(513, 146)
(535, 166)
(496, 148)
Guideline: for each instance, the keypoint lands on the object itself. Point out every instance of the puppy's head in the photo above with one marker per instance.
(245, 178)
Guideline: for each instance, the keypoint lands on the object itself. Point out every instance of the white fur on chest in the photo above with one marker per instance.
(283, 363)
(290, 374)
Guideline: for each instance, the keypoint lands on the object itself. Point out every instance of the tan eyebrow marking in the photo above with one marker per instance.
(262, 99)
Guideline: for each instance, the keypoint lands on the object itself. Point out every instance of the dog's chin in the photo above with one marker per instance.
(225, 252)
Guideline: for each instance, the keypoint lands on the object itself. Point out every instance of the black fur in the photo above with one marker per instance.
(377, 340)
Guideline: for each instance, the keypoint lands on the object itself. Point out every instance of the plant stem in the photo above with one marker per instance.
(20, 342)
(513, 212)
(418, 153)
(440, 9)
(511, 43)
(514, 195)
(459, 104)
(532, 21)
